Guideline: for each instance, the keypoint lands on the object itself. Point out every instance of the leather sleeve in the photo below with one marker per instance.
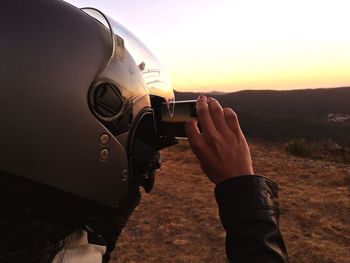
(249, 212)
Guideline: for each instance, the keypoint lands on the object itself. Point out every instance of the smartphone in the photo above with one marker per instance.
(174, 126)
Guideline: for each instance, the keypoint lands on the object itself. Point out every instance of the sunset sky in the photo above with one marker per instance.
(230, 45)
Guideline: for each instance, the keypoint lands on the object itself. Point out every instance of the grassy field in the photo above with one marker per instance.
(178, 221)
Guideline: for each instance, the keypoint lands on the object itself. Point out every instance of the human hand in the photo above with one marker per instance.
(221, 147)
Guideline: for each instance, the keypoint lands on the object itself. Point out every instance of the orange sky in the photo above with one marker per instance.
(229, 45)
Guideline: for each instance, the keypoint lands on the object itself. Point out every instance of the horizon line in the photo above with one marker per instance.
(277, 90)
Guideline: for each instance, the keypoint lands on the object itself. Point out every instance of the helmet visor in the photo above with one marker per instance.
(155, 78)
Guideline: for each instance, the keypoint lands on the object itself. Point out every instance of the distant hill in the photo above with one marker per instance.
(313, 114)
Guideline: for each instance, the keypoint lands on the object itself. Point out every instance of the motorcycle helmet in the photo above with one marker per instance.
(76, 97)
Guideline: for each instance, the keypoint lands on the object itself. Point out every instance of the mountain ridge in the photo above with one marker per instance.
(290, 114)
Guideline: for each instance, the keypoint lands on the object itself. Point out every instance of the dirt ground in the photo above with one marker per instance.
(178, 221)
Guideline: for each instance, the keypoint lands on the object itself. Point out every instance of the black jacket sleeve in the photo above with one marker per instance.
(249, 212)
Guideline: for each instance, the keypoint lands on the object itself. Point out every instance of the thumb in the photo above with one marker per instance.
(193, 134)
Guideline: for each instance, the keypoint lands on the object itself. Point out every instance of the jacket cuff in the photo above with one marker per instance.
(247, 192)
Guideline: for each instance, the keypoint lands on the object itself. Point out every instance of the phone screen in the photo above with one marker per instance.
(175, 125)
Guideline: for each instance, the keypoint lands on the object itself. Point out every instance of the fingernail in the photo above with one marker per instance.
(202, 98)
(210, 99)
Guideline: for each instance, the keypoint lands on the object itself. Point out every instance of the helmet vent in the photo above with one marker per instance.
(107, 100)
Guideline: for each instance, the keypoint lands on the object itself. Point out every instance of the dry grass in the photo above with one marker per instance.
(178, 221)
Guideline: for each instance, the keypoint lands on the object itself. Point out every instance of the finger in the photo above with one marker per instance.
(232, 120)
(205, 118)
(217, 115)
